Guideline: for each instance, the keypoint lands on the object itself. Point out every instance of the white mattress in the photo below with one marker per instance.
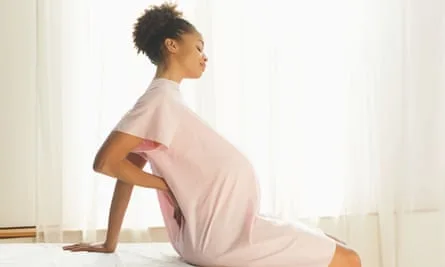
(128, 255)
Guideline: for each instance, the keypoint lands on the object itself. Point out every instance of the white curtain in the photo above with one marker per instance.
(338, 104)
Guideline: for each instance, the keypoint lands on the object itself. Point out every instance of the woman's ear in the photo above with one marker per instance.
(171, 45)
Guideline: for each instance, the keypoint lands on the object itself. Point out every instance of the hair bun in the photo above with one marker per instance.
(166, 11)
(154, 25)
(154, 19)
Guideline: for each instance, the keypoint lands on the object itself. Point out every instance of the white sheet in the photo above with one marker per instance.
(52, 255)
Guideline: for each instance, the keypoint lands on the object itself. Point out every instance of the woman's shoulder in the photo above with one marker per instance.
(162, 90)
(156, 94)
(160, 97)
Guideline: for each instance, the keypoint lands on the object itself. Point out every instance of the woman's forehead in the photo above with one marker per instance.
(195, 37)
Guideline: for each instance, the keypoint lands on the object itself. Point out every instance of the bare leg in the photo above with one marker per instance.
(345, 257)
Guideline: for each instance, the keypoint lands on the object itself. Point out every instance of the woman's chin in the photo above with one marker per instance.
(195, 75)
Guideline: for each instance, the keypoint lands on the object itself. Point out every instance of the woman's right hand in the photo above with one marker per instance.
(100, 248)
(177, 213)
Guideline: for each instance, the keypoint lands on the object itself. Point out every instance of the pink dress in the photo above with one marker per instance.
(217, 191)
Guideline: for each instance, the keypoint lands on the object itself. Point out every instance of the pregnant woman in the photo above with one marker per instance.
(207, 189)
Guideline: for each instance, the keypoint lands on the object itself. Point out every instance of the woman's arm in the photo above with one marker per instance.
(118, 207)
(119, 204)
(111, 160)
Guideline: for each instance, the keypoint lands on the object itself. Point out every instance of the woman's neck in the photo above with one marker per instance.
(169, 74)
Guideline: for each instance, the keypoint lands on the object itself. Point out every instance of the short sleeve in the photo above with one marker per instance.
(154, 117)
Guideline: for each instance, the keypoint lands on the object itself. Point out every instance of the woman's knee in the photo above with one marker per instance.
(345, 257)
(354, 259)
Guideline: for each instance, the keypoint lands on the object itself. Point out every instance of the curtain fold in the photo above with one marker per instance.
(339, 106)
(49, 117)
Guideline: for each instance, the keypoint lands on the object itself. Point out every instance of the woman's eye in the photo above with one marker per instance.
(199, 49)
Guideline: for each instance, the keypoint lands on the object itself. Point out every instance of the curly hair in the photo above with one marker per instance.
(154, 26)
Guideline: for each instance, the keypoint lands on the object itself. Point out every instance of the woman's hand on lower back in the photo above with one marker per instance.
(99, 248)
(177, 213)
(178, 216)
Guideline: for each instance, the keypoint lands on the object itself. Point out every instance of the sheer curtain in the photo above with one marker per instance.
(89, 75)
(339, 105)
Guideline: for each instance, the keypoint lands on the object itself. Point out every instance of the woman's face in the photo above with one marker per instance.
(189, 55)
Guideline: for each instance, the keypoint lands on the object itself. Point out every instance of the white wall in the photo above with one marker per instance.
(17, 112)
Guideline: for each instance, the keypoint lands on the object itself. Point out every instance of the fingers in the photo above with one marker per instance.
(69, 247)
(79, 249)
(175, 216)
(178, 216)
(76, 247)
(84, 247)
